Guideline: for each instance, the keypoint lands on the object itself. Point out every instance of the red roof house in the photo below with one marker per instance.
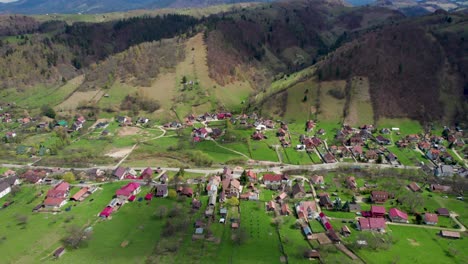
(272, 180)
(379, 196)
(397, 216)
(375, 224)
(147, 173)
(126, 191)
(106, 212)
(377, 211)
(414, 187)
(431, 219)
(443, 212)
(131, 198)
(52, 202)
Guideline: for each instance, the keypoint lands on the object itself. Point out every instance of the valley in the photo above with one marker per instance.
(283, 132)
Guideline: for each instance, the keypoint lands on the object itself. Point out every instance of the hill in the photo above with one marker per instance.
(335, 61)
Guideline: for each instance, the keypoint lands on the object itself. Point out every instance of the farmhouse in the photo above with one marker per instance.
(285, 209)
(397, 216)
(271, 206)
(59, 191)
(54, 203)
(147, 173)
(161, 190)
(124, 193)
(6, 184)
(430, 219)
(80, 195)
(317, 179)
(373, 224)
(231, 187)
(443, 212)
(306, 209)
(440, 188)
(381, 140)
(414, 187)
(298, 191)
(252, 176)
(187, 191)
(119, 173)
(329, 158)
(379, 196)
(351, 183)
(377, 211)
(345, 231)
(272, 181)
(281, 197)
(325, 201)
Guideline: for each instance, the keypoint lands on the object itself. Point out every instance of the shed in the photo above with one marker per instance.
(59, 252)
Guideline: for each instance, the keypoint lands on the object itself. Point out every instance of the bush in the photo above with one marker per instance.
(337, 93)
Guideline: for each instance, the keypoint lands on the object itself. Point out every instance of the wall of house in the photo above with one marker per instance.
(5, 192)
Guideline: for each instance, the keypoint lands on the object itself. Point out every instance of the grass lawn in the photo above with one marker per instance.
(42, 233)
(418, 245)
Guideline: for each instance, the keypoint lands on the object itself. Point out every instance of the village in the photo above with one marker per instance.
(318, 190)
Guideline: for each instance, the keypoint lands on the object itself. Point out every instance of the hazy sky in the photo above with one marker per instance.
(7, 1)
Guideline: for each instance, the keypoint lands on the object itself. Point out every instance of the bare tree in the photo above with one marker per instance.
(76, 237)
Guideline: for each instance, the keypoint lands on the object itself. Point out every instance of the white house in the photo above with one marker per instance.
(6, 184)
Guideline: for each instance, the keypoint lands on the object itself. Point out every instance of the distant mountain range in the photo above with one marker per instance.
(102, 6)
(409, 7)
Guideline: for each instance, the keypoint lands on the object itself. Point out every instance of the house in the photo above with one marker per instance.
(80, 195)
(59, 191)
(372, 155)
(317, 179)
(6, 184)
(430, 219)
(377, 211)
(306, 209)
(9, 135)
(433, 154)
(379, 196)
(285, 209)
(397, 216)
(325, 222)
(115, 202)
(271, 206)
(213, 184)
(444, 171)
(329, 158)
(372, 224)
(187, 191)
(354, 207)
(231, 187)
(196, 204)
(147, 173)
(142, 120)
(31, 177)
(440, 188)
(450, 234)
(252, 176)
(59, 252)
(298, 191)
(132, 188)
(161, 190)
(310, 125)
(443, 212)
(272, 181)
(281, 196)
(381, 140)
(119, 173)
(424, 145)
(414, 187)
(326, 202)
(54, 203)
(258, 135)
(357, 151)
(345, 231)
(351, 183)
(106, 212)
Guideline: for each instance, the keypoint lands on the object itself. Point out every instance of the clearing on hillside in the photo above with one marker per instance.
(78, 98)
(128, 131)
(331, 104)
(119, 153)
(360, 109)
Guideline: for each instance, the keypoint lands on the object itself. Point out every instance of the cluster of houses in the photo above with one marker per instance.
(206, 133)
(126, 193)
(121, 173)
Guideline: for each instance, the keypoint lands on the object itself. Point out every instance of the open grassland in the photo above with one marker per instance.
(40, 95)
(331, 108)
(407, 126)
(418, 245)
(41, 235)
(360, 106)
(301, 99)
